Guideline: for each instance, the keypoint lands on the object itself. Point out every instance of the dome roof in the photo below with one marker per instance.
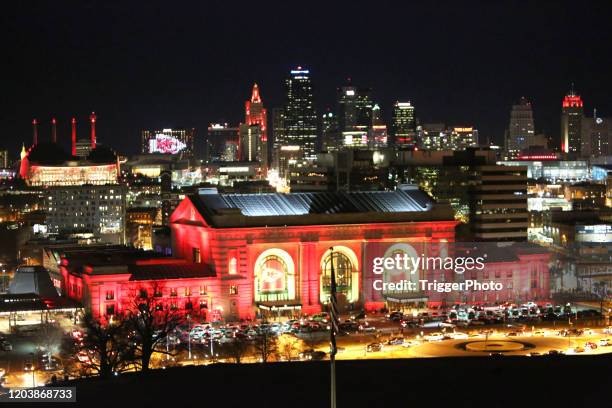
(102, 154)
(48, 153)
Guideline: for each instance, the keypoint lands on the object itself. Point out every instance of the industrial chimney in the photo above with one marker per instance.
(92, 119)
(73, 122)
(53, 130)
(35, 131)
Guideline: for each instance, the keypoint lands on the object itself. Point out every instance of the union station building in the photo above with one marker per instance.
(240, 256)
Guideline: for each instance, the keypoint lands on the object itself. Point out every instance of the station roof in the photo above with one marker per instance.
(406, 204)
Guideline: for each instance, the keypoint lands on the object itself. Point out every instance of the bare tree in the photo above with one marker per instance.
(68, 350)
(289, 346)
(151, 324)
(265, 345)
(107, 345)
(236, 349)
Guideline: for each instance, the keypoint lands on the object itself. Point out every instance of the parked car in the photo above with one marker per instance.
(436, 336)
(590, 345)
(374, 347)
(396, 341)
(605, 342)
(6, 346)
(312, 355)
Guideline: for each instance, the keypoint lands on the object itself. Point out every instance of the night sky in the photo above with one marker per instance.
(186, 64)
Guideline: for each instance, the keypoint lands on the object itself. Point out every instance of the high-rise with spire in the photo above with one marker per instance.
(254, 132)
(571, 123)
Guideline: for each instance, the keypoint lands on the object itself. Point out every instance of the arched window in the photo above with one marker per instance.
(343, 269)
(274, 277)
(347, 275)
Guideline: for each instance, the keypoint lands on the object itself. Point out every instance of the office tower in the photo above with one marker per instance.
(300, 121)
(4, 159)
(257, 115)
(377, 135)
(404, 125)
(461, 138)
(95, 209)
(498, 203)
(252, 147)
(330, 138)
(222, 143)
(433, 136)
(571, 123)
(596, 135)
(278, 134)
(168, 141)
(521, 132)
(354, 108)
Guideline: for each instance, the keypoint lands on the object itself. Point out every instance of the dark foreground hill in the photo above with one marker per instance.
(575, 381)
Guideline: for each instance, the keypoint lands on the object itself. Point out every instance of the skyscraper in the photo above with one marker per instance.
(596, 135)
(377, 135)
(222, 143)
(404, 124)
(521, 132)
(300, 119)
(256, 116)
(329, 132)
(354, 108)
(571, 123)
(278, 134)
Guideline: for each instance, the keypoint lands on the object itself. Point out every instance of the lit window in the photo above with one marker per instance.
(196, 255)
(203, 290)
(233, 290)
(110, 295)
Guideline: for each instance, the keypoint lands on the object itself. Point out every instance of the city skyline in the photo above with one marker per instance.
(456, 61)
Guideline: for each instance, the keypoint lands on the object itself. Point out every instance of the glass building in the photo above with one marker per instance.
(300, 119)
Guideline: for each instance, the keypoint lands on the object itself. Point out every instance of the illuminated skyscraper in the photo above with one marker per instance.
(571, 123)
(256, 115)
(300, 119)
(222, 143)
(330, 139)
(354, 108)
(404, 124)
(596, 135)
(278, 134)
(521, 128)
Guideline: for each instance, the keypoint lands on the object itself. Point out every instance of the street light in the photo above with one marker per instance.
(189, 335)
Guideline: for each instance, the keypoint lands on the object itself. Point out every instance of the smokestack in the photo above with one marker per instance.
(35, 131)
(73, 122)
(53, 130)
(92, 119)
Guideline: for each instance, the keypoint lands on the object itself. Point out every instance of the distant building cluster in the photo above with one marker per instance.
(236, 220)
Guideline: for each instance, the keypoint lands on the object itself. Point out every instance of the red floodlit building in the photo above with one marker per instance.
(239, 256)
(272, 251)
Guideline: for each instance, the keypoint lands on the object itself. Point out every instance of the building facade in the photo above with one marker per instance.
(521, 129)
(93, 209)
(572, 112)
(404, 125)
(300, 117)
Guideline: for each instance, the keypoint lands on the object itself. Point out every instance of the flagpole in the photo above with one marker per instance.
(333, 306)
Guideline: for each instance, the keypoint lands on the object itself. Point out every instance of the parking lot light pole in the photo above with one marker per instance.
(189, 335)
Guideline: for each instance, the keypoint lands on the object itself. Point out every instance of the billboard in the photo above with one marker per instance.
(166, 144)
